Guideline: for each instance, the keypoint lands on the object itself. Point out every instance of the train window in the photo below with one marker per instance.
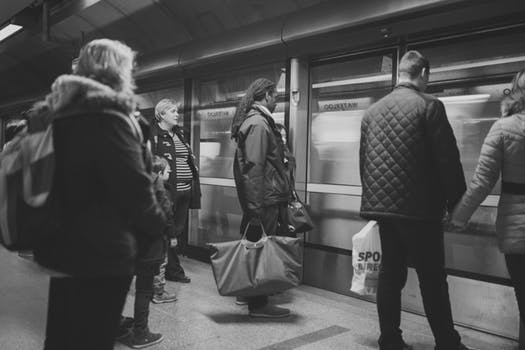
(493, 55)
(215, 104)
(470, 80)
(340, 94)
(471, 108)
(148, 100)
(470, 76)
(341, 91)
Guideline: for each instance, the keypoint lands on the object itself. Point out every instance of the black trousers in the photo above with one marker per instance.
(181, 204)
(274, 220)
(84, 313)
(422, 243)
(143, 295)
(516, 268)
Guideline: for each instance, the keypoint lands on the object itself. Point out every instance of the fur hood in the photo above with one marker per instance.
(74, 91)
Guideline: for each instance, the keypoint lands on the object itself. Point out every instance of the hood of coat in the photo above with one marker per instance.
(73, 91)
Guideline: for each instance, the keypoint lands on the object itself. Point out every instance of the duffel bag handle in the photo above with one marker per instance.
(254, 245)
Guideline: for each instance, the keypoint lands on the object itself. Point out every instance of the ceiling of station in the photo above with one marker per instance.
(29, 62)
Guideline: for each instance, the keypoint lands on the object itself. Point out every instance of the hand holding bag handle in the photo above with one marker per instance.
(254, 245)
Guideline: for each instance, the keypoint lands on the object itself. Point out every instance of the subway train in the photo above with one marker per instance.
(331, 60)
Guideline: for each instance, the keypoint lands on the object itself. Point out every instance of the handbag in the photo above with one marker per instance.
(244, 268)
(298, 218)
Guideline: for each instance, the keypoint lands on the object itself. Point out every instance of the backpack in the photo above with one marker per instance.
(29, 212)
(26, 174)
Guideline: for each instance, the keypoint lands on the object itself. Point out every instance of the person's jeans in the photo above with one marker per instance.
(181, 204)
(159, 280)
(173, 267)
(516, 268)
(274, 222)
(422, 242)
(84, 313)
(143, 295)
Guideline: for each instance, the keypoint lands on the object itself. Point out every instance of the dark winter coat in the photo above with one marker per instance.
(162, 144)
(259, 170)
(409, 160)
(104, 194)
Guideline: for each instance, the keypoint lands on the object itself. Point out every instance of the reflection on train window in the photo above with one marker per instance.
(219, 218)
(215, 105)
(147, 100)
(470, 80)
(471, 111)
(466, 58)
(341, 92)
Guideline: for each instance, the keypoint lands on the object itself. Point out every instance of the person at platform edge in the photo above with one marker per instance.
(411, 175)
(260, 176)
(103, 195)
(168, 141)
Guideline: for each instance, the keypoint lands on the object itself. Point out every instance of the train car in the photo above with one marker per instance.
(332, 60)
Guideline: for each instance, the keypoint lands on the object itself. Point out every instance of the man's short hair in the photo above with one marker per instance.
(412, 63)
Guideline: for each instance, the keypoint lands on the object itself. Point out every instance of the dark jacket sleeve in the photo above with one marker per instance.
(195, 196)
(166, 204)
(255, 152)
(445, 153)
(121, 164)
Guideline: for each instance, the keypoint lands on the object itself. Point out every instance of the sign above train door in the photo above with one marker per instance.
(216, 113)
(350, 104)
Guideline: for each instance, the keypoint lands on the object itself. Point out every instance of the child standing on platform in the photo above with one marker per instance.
(148, 266)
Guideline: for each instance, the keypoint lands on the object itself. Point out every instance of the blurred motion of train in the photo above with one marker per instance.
(331, 60)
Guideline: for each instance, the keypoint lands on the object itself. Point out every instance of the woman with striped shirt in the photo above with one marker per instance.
(169, 142)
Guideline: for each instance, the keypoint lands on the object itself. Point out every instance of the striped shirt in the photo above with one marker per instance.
(184, 174)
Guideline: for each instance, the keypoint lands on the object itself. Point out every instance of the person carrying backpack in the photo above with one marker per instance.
(102, 194)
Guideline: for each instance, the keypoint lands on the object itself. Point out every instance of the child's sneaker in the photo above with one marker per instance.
(143, 339)
(164, 297)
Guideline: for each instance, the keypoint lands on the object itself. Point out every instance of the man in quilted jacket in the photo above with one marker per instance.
(411, 176)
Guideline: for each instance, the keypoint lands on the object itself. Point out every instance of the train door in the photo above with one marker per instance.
(341, 89)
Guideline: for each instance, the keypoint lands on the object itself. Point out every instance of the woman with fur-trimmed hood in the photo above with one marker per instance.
(103, 195)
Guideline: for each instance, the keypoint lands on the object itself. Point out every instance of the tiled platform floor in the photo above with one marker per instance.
(201, 319)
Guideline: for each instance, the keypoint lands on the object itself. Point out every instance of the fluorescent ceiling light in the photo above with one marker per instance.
(9, 30)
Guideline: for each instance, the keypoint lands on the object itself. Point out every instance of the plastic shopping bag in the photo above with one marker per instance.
(366, 259)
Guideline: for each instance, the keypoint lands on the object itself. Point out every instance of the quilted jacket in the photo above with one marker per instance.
(503, 152)
(409, 160)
